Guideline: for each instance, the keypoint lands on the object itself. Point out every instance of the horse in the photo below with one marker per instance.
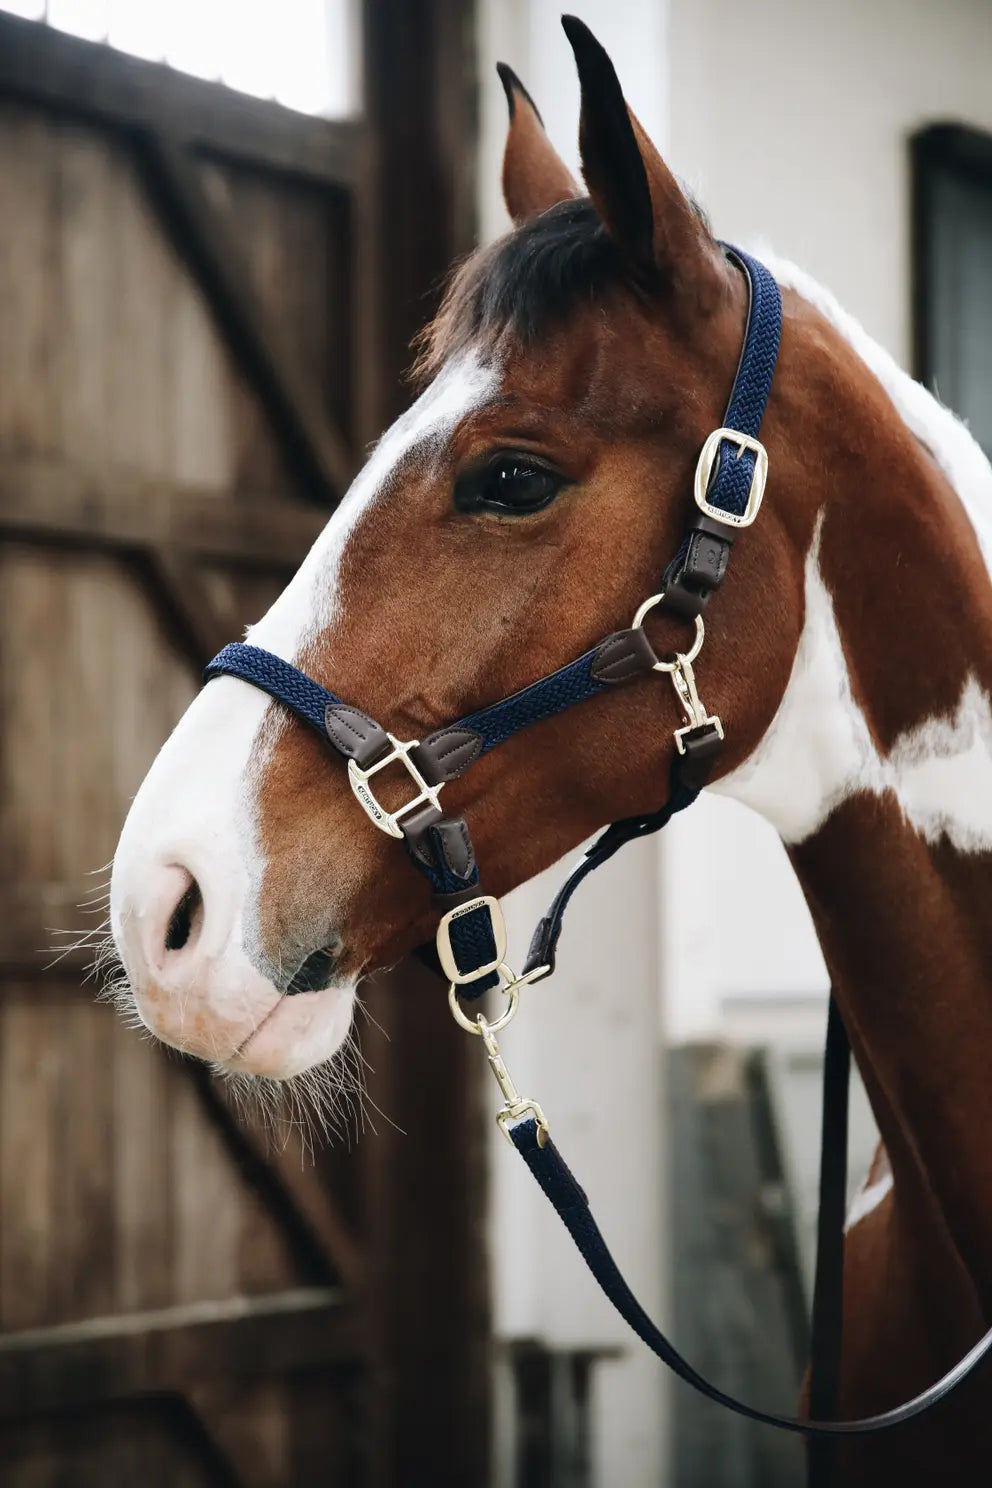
(523, 507)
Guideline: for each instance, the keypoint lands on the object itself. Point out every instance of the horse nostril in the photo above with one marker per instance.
(186, 913)
(315, 972)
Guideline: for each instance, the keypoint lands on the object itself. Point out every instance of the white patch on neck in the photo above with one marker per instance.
(867, 1198)
(818, 749)
(308, 603)
(956, 451)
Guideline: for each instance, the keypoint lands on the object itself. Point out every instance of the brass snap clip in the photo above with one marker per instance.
(516, 1107)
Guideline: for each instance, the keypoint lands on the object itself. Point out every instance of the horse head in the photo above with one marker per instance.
(523, 508)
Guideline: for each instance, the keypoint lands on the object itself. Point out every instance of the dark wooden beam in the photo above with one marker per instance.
(92, 81)
(308, 1190)
(421, 101)
(118, 510)
(188, 606)
(75, 1364)
(321, 1241)
(314, 450)
(429, 1279)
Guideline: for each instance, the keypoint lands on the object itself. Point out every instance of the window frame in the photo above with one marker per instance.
(939, 151)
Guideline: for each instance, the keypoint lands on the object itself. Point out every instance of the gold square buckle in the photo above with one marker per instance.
(388, 821)
(704, 471)
(445, 950)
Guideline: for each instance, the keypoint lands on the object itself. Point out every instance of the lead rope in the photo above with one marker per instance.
(826, 1332)
(525, 1125)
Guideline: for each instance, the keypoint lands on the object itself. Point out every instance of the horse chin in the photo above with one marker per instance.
(300, 1032)
(281, 1037)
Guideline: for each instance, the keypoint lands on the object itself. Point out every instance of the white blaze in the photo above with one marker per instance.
(196, 807)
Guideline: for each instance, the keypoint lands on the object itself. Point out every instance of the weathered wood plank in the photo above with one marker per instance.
(157, 1441)
(317, 1237)
(298, 249)
(30, 1072)
(141, 1205)
(28, 285)
(202, 624)
(120, 510)
(95, 82)
(314, 449)
(85, 271)
(33, 618)
(148, 286)
(84, 287)
(76, 1364)
(427, 1266)
(307, 1189)
(83, 1257)
(253, 1421)
(212, 1207)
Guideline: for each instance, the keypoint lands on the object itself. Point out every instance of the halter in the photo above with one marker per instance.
(471, 936)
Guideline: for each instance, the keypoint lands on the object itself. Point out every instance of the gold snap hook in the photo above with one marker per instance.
(516, 1107)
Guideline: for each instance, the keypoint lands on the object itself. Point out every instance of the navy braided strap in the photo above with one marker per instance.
(571, 684)
(734, 468)
(471, 934)
(563, 1190)
(300, 693)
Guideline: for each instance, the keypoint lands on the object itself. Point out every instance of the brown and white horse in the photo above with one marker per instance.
(519, 511)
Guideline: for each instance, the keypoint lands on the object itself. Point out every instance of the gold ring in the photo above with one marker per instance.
(690, 655)
(512, 991)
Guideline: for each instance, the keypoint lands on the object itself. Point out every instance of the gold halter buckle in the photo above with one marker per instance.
(708, 457)
(388, 821)
(445, 950)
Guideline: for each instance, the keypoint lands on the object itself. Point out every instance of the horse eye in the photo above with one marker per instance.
(510, 483)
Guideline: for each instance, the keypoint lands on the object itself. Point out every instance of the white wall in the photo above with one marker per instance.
(790, 119)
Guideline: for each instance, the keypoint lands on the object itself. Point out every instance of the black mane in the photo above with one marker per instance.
(527, 281)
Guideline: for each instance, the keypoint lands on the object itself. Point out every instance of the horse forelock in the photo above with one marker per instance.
(527, 281)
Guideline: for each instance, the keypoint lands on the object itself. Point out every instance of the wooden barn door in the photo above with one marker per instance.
(204, 308)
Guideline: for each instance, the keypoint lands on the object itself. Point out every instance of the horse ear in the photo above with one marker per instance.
(534, 175)
(638, 198)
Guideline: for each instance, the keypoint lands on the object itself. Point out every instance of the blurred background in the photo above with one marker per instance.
(220, 225)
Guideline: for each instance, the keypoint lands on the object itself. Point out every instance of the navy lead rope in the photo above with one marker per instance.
(572, 1207)
(727, 498)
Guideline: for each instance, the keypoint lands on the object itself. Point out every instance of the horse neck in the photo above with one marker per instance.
(877, 772)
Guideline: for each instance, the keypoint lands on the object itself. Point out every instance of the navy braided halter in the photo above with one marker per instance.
(729, 485)
(471, 939)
